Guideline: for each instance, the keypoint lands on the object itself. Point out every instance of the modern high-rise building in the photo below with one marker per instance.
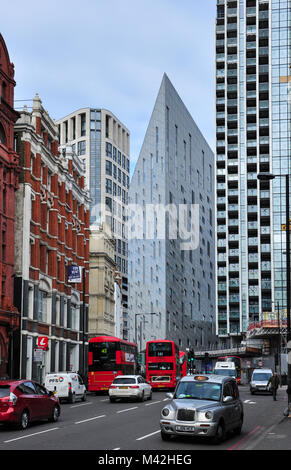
(103, 143)
(171, 281)
(253, 48)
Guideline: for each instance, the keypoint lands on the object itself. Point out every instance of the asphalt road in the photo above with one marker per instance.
(98, 424)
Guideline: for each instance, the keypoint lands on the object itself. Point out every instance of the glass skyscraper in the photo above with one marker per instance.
(252, 136)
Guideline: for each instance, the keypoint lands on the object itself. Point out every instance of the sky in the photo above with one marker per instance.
(112, 54)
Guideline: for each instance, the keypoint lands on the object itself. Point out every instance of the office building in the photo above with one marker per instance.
(9, 172)
(252, 136)
(51, 236)
(172, 282)
(103, 143)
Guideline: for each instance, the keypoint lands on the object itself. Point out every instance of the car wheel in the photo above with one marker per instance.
(72, 398)
(55, 415)
(220, 434)
(24, 420)
(237, 430)
(150, 395)
(165, 436)
(84, 397)
(112, 400)
(141, 398)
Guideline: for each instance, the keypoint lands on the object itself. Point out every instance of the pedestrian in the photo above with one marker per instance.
(274, 383)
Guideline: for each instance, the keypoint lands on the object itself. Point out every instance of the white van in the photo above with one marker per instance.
(225, 368)
(66, 386)
(260, 379)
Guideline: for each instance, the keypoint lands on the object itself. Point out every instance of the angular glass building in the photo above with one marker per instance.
(172, 282)
(252, 136)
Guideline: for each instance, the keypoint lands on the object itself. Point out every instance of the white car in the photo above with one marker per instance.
(130, 386)
(66, 386)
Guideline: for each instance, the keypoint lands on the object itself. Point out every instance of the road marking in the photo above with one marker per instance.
(261, 437)
(30, 435)
(238, 444)
(116, 448)
(148, 435)
(153, 403)
(82, 404)
(128, 409)
(104, 400)
(90, 419)
(166, 399)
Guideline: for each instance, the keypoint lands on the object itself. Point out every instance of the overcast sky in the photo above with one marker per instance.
(112, 54)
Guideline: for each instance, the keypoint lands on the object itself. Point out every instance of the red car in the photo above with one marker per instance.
(23, 401)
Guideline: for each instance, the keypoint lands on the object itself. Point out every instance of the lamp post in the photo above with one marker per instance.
(269, 177)
(136, 314)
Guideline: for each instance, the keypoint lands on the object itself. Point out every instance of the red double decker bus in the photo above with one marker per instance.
(108, 357)
(162, 364)
(183, 363)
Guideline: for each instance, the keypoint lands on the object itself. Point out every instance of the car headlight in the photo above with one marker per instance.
(165, 412)
(208, 415)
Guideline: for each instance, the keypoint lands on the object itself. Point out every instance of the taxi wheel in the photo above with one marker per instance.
(112, 400)
(165, 436)
(220, 434)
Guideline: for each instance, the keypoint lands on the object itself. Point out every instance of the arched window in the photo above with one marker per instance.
(2, 135)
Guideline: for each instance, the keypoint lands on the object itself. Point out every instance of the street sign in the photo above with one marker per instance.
(75, 274)
(260, 364)
(42, 342)
(37, 355)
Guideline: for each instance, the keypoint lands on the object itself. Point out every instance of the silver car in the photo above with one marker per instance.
(203, 405)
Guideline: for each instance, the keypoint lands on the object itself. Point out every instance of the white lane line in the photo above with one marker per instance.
(116, 448)
(82, 404)
(166, 399)
(90, 419)
(128, 409)
(30, 435)
(104, 400)
(246, 401)
(148, 435)
(153, 403)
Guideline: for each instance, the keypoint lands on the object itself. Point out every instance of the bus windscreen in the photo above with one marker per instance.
(160, 349)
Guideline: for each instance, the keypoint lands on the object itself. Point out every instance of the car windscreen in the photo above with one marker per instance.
(160, 366)
(198, 391)
(124, 380)
(160, 349)
(4, 391)
(261, 377)
(225, 372)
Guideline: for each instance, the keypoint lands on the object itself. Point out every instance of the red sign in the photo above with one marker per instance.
(42, 342)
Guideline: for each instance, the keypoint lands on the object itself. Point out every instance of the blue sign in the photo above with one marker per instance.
(75, 274)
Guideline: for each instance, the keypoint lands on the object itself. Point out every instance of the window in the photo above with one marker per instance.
(82, 147)
(109, 149)
(109, 168)
(83, 125)
(2, 135)
(42, 306)
(108, 186)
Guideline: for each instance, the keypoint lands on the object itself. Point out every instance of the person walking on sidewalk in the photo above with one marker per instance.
(274, 382)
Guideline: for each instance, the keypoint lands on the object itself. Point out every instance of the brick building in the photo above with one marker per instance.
(52, 233)
(9, 317)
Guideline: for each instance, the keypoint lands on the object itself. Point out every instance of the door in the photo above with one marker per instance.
(44, 401)
(81, 386)
(29, 400)
(228, 407)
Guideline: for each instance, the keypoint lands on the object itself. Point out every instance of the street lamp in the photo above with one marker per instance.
(269, 177)
(136, 314)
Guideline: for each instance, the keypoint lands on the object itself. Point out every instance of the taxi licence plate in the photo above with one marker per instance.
(185, 428)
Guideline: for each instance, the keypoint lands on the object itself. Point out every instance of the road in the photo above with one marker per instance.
(98, 424)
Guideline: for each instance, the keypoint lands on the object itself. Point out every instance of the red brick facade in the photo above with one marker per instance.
(56, 204)
(9, 317)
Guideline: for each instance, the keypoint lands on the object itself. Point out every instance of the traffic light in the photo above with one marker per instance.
(191, 360)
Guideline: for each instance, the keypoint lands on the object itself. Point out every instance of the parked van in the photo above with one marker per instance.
(66, 386)
(259, 380)
(225, 368)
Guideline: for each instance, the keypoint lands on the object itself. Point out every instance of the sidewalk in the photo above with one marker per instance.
(278, 436)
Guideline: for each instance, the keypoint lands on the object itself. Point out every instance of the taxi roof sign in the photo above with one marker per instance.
(201, 378)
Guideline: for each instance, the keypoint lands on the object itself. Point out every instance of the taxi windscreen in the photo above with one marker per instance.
(198, 391)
